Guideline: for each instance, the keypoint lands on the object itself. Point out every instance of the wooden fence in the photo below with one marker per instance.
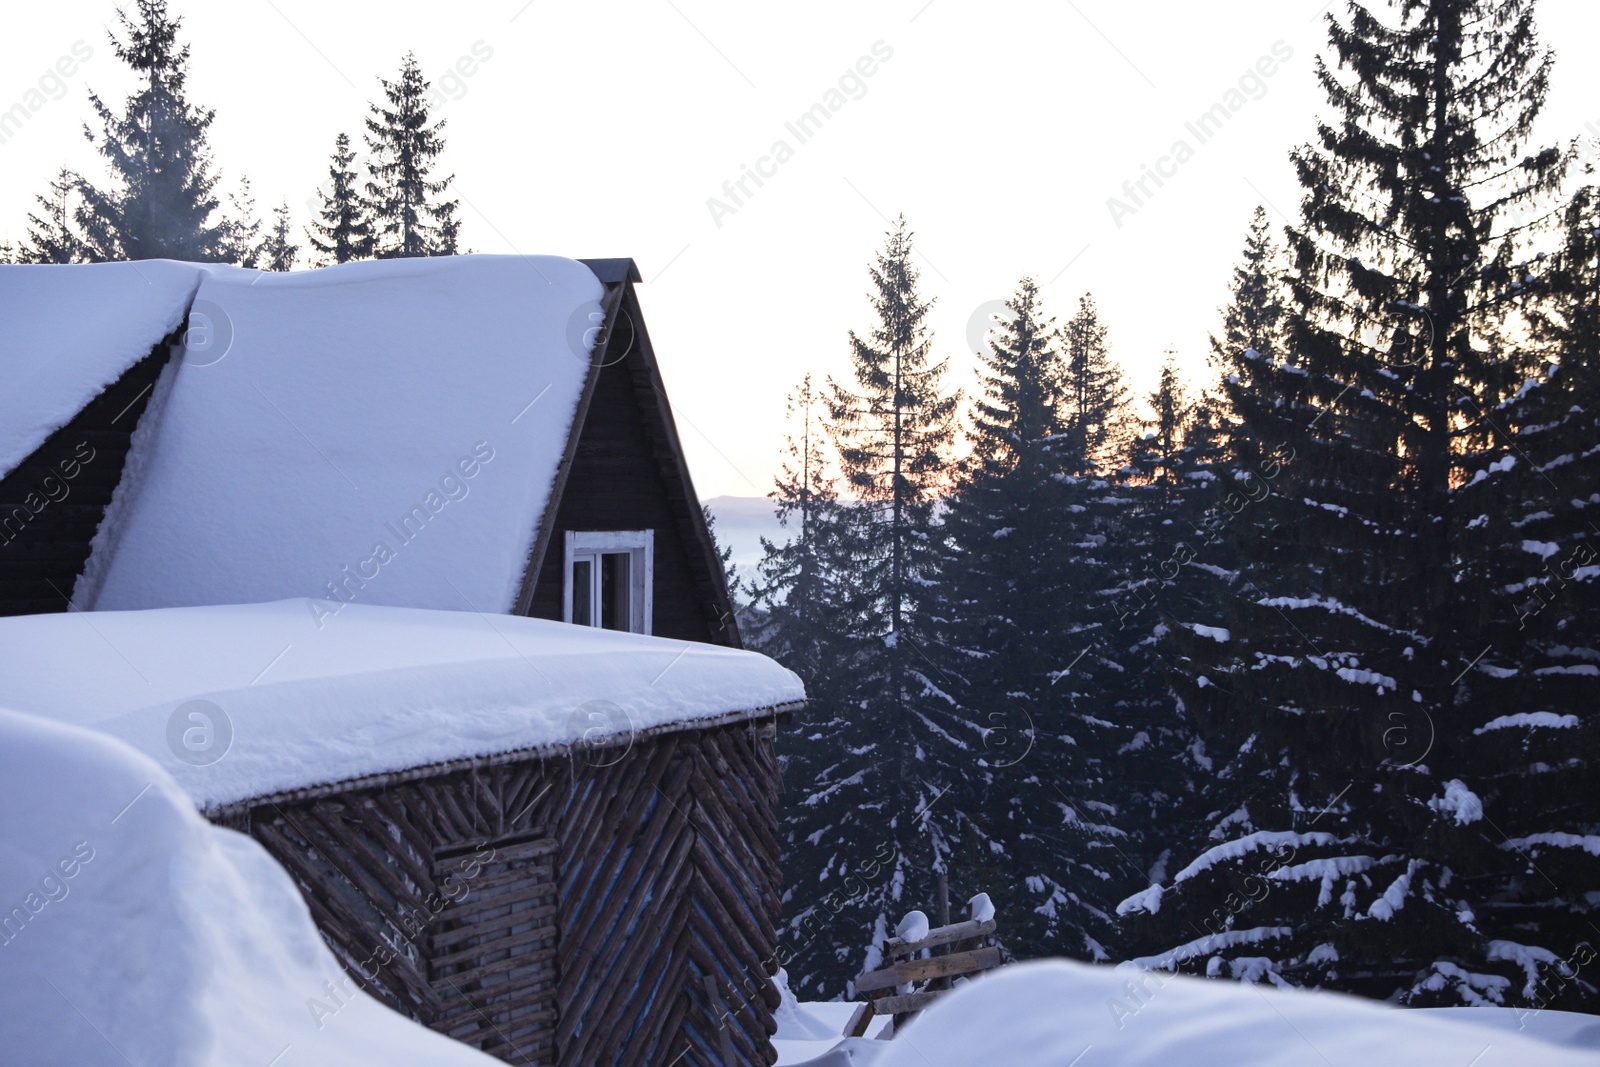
(935, 961)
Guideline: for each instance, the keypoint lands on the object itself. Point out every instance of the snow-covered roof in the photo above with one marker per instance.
(68, 332)
(137, 933)
(390, 429)
(295, 699)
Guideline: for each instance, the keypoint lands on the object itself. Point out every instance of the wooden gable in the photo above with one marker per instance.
(624, 470)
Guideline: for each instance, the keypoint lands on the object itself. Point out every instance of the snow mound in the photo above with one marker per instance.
(914, 927)
(140, 935)
(1049, 1014)
(70, 331)
(250, 700)
(796, 1022)
(387, 432)
(981, 908)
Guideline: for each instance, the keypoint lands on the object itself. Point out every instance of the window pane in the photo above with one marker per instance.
(615, 602)
(583, 591)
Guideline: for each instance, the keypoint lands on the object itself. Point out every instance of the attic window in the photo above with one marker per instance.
(608, 579)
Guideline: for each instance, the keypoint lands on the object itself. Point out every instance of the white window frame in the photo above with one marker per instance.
(590, 544)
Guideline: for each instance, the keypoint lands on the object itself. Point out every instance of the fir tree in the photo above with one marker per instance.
(1252, 339)
(241, 242)
(1096, 405)
(278, 251)
(800, 618)
(1254, 318)
(797, 582)
(409, 218)
(1158, 454)
(1535, 745)
(891, 430)
(161, 201)
(1024, 654)
(1344, 661)
(51, 237)
(342, 230)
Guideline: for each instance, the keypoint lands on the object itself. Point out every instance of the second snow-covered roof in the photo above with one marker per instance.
(384, 432)
(293, 699)
(67, 332)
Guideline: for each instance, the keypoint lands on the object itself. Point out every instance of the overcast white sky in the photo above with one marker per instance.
(1000, 129)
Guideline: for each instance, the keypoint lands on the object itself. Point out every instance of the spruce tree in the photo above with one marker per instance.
(1254, 318)
(1252, 339)
(342, 230)
(1097, 405)
(1158, 453)
(1534, 749)
(1024, 654)
(409, 218)
(161, 201)
(1344, 660)
(796, 586)
(891, 429)
(241, 242)
(51, 237)
(278, 250)
(800, 618)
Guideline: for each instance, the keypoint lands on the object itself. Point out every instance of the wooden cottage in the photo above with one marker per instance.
(137, 471)
(554, 843)
(301, 527)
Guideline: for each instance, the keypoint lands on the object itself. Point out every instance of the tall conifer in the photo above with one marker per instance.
(161, 201)
(1345, 658)
(409, 217)
(342, 229)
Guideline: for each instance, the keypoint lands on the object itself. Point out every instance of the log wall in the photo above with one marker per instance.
(609, 906)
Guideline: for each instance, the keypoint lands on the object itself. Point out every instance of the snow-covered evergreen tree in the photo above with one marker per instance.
(1022, 648)
(1251, 342)
(161, 201)
(796, 588)
(409, 216)
(342, 230)
(891, 428)
(1344, 660)
(1534, 750)
(51, 236)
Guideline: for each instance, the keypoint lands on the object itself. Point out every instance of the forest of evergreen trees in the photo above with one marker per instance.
(1291, 678)
(160, 198)
(1285, 674)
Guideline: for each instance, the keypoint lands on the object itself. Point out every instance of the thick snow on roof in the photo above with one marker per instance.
(136, 933)
(1048, 1014)
(387, 431)
(290, 700)
(68, 332)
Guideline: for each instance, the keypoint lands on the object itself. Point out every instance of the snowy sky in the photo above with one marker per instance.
(1000, 129)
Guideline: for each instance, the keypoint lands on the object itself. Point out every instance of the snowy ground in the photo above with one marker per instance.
(1057, 1013)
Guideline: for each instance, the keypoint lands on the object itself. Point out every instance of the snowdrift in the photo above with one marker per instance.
(135, 933)
(1056, 1013)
